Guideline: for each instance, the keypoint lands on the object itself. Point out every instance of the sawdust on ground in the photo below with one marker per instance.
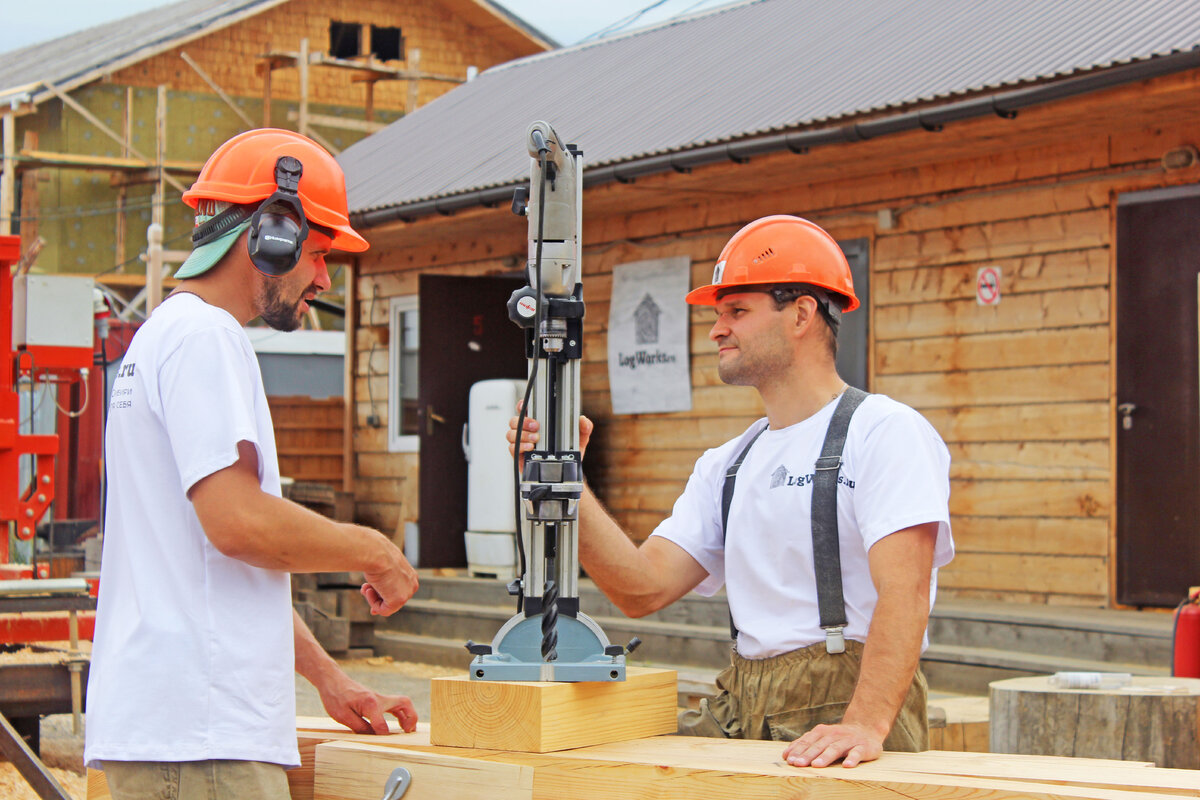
(14, 787)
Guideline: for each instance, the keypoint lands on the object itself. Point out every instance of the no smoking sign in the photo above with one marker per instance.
(987, 286)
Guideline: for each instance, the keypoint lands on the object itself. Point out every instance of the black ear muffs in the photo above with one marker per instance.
(275, 240)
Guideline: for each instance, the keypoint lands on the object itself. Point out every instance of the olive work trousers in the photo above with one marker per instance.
(196, 780)
(784, 697)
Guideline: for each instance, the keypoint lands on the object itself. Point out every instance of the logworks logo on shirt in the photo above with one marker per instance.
(781, 477)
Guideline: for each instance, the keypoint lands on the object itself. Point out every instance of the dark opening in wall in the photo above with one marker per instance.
(345, 39)
(387, 44)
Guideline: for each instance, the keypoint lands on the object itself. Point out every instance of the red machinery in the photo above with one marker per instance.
(39, 348)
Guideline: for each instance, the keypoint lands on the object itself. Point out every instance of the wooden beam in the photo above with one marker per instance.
(541, 717)
(154, 264)
(303, 64)
(414, 82)
(692, 767)
(8, 182)
(341, 123)
(29, 199)
(350, 770)
(220, 92)
(40, 159)
(349, 359)
(90, 117)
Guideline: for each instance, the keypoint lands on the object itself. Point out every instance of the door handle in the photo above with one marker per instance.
(1125, 412)
(431, 417)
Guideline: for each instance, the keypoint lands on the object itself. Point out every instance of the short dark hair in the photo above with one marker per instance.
(828, 303)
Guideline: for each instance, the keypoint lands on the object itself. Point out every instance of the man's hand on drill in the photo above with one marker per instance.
(530, 435)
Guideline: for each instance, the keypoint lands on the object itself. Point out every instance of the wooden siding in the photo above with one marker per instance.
(1022, 392)
(448, 42)
(308, 438)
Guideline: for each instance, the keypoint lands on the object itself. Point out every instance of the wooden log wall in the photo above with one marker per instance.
(1021, 392)
(449, 41)
(308, 438)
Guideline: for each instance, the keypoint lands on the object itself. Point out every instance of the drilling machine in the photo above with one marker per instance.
(549, 638)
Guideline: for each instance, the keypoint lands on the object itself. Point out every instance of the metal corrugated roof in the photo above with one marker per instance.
(749, 69)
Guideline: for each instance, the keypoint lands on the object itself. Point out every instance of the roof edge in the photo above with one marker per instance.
(1004, 104)
(128, 58)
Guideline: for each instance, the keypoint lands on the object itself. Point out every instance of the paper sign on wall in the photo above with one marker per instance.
(648, 365)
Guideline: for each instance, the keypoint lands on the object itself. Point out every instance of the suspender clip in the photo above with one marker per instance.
(835, 642)
(829, 462)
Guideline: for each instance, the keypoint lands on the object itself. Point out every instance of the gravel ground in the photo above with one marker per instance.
(62, 748)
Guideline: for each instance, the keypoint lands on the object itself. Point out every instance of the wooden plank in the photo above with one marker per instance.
(1013, 498)
(1021, 386)
(1035, 348)
(358, 771)
(1019, 572)
(691, 768)
(1030, 460)
(1042, 272)
(1028, 423)
(1062, 536)
(1060, 309)
(540, 717)
(1076, 230)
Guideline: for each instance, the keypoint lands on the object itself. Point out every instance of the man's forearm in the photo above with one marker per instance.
(890, 659)
(638, 580)
(312, 662)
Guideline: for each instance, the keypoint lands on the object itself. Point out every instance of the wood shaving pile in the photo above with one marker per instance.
(410, 670)
(14, 787)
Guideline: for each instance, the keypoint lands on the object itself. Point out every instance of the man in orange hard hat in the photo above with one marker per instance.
(826, 520)
(191, 691)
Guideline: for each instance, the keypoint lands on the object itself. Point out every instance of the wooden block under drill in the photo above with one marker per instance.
(537, 717)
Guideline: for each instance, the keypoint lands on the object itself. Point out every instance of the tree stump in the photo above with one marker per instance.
(1154, 719)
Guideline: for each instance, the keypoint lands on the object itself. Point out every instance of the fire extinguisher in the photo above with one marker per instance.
(1185, 646)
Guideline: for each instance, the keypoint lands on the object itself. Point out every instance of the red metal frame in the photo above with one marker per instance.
(26, 504)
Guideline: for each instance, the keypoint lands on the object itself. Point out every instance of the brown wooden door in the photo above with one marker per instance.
(465, 336)
(1158, 396)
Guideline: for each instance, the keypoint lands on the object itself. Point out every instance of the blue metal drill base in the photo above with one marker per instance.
(517, 653)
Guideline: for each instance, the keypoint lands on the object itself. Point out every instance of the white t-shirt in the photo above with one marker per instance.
(193, 655)
(895, 474)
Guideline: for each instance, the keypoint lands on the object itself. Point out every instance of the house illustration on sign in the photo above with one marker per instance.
(645, 318)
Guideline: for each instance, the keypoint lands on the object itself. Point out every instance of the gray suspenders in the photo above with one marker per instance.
(827, 559)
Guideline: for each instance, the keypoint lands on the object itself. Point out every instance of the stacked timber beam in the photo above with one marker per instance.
(334, 610)
(340, 765)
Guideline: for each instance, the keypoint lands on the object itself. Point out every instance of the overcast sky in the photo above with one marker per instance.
(568, 21)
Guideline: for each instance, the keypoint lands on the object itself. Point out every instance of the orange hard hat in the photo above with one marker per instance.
(242, 171)
(778, 250)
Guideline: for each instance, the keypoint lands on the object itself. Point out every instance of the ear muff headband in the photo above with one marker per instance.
(275, 240)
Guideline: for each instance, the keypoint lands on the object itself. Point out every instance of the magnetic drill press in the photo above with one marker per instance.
(549, 638)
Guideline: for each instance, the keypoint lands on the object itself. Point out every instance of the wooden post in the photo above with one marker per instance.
(303, 64)
(29, 197)
(122, 191)
(8, 183)
(154, 235)
(348, 363)
(369, 107)
(270, 67)
(414, 84)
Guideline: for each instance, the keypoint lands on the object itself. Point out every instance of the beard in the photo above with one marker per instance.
(279, 312)
(769, 358)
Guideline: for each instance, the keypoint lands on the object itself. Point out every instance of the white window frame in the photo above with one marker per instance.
(397, 307)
